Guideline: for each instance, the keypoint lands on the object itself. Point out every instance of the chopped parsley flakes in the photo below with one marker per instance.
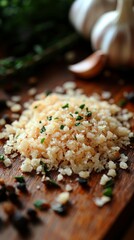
(2, 157)
(82, 106)
(43, 129)
(79, 118)
(108, 192)
(48, 92)
(20, 179)
(42, 140)
(49, 118)
(77, 124)
(35, 107)
(65, 106)
(62, 127)
(75, 137)
(89, 114)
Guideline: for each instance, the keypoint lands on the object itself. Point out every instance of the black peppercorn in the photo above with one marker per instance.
(59, 208)
(82, 181)
(3, 194)
(3, 104)
(22, 187)
(20, 222)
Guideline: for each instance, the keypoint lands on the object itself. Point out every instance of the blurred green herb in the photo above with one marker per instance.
(33, 31)
(2, 157)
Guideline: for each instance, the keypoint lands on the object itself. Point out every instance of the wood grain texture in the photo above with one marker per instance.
(84, 220)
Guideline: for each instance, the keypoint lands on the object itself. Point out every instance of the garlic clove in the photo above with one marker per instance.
(84, 13)
(91, 66)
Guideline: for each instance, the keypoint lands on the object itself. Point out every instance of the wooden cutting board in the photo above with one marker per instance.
(84, 220)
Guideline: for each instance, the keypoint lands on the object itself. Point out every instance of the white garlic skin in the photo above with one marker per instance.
(84, 13)
(114, 38)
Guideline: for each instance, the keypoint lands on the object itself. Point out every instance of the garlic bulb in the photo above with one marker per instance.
(84, 13)
(114, 35)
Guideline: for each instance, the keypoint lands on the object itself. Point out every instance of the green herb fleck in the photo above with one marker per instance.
(79, 118)
(87, 109)
(76, 112)
(49, 118)
(43, 129)
(108, 192)
(41, 204)
(65, 106)
(56, 118)
(62, 127)
(75, 137)
(82, 106)
(35, 107)
(17, 135)
(2, 157)
(110, 183)
(40, 121)
(77, 124)
(45, 168)
(48, 92)
(42, 140)
(50, 182)
(71, 114)
(122, 102)
(20, 179)
(89, 114)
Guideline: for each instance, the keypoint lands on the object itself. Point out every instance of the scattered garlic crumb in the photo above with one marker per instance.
(59, 177)
(106, 95)
(26, 104)
(32, 91)
(68, 188)
(9, 104)
(100, 202)
(26, 166)
(66, 171)
(7, 162)
(2, 121)
(104, 179)
(43, 178)
(16, 108)
(69, 85)
(39, 169)
(15, 115)
(111, 173)
(79, 91)
(84, 174)
(111, 165)
(16, 98)
(38, 187)
(59, 89)
(63, 198)
(123, 165)
(123, 158)
(2, 135)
